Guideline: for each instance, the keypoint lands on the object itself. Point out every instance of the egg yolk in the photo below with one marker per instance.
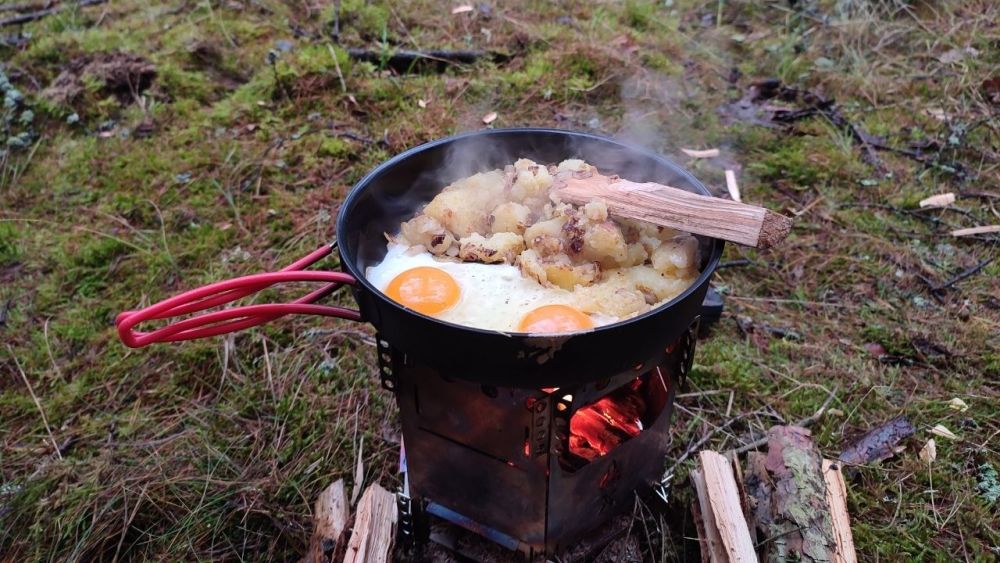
(424, 289)
(555, 318)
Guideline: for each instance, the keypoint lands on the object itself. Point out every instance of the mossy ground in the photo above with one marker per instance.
(216, 449)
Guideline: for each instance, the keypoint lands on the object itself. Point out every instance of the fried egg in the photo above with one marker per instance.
(486, 296)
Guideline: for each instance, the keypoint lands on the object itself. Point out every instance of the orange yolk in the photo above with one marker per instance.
(555, 318)
(424, 289)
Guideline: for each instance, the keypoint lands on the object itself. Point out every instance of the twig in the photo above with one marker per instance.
(733, 263)
(32, 16)
(336, 63)
(805, 423)
(404, 61)
(38, 404)
(25, 7)
(967, 273)
(45, 332)
(704, 440)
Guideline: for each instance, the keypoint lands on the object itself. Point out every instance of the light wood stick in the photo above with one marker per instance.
(744, 224)
(723, 495)
(374, 527)
(836, 496)
(713, 539)
(330, 520)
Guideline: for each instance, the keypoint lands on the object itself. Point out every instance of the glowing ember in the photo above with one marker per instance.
(602, 426)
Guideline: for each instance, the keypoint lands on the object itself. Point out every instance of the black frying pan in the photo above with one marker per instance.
(391, 194)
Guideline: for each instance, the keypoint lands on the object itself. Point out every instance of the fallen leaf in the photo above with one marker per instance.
(928, 453)
(461, 9)
(958, 404)
(936, 113)
(939, 200)
(422, 103)
(879, 443)
(940, 430)
(695, 153)
(991, 89)
(490, 117)
(955, 55)
(875, 349)
(976, 231)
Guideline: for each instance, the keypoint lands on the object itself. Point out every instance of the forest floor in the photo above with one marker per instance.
(152, 147)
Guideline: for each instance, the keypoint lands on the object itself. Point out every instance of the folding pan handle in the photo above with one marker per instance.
(236, 318)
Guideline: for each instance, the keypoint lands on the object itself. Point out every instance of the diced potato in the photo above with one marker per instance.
(596, 211)
(604, 243)
(648, 280)
(531, 185)
(573, 165)
(428, 232)
(499, 248)
(463, 206)
(563, 274)
(612, 298)
(510, 217)
(549, 228)
(637, 255)
(677, 256)
(531, 266)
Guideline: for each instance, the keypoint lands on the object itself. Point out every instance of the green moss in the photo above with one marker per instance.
(334, 147)
(640, 14)
(10, 249)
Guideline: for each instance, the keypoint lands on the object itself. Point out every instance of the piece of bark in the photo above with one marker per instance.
(793, 519)
(878, 443)
(724, 497)
(713, 539)
(759, 491)
(330, 521)
(836, 497)
(665, 206)
(374, 527)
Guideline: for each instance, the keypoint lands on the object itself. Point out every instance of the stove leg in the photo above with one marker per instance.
(413, 529)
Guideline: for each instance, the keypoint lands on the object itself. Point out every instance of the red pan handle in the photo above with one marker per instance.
(235, 318)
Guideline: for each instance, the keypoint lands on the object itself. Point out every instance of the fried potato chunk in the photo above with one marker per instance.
(677, 256)
(510, 217)
(428, 232)
(463, 206)
(499, 248)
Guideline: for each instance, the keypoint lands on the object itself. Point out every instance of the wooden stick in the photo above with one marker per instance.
(726, 507)
(330, 520)
(374, 527)
(713, 540)
(744, 224)
(836, 496)
(976, 231)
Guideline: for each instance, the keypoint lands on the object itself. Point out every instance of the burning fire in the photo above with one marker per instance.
(598, 428)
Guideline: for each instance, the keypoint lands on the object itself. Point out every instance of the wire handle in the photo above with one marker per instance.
(235, 318)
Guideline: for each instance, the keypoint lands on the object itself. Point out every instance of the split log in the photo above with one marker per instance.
(330, 520)
(724, 498)
(792, 512)
(836, 497)
(374, 527)
(711, 542)
(666, 206)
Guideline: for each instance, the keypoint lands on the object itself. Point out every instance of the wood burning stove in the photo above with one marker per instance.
(530, 469)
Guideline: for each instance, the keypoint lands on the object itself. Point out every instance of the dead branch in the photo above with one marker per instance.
(39, 14)
(418, 61)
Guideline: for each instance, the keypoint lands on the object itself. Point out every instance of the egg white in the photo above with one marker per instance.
(494, 296)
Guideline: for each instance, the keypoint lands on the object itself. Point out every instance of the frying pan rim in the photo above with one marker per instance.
(347, 261)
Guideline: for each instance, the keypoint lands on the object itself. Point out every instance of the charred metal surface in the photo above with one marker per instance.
(499, 458)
